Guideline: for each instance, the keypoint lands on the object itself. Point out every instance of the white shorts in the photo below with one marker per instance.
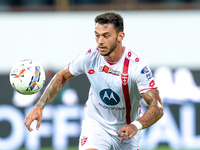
(94, 136)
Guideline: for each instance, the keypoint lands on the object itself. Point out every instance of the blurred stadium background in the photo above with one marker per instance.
(52, 32)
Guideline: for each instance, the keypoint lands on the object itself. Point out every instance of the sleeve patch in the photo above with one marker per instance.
(145, 70)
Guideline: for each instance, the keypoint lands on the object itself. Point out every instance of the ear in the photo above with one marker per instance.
(120, 36)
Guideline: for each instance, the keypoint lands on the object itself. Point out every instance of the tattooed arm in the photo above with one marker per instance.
(155, 110)
(57, 82)
(151, 116)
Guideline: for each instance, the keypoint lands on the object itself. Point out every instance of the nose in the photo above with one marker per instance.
(100, 40)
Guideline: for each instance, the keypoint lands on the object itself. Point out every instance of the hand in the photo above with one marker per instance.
(129, 131)
(34, 114)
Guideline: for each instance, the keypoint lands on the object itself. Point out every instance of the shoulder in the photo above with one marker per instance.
(91, 51)
(138, 65)
(82, 61)
(89, 55)
(134, 57)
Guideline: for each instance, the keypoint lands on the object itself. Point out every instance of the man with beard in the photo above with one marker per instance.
(119, 78)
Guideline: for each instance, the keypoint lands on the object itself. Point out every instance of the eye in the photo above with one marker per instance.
(97, 36)
(106, 36)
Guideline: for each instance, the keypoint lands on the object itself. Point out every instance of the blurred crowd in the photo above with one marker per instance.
(108, 4)
(26, 2)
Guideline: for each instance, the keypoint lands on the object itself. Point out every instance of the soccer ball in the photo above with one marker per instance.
(27, 77)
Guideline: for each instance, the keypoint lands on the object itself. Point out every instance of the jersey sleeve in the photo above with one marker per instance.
(76, 66)
(144, 79)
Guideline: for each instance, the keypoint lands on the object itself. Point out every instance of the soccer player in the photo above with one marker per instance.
(119, 78)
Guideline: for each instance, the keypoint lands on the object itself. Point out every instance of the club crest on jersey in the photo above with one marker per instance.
(124, 78)
(108, 70)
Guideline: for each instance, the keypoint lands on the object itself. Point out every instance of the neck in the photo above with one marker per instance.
(116, 54)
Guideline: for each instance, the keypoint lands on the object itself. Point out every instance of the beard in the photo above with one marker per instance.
(111, 49)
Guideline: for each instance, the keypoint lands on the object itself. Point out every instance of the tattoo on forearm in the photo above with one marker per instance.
(155, 110)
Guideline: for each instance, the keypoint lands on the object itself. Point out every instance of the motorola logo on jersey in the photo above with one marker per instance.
(109, 97)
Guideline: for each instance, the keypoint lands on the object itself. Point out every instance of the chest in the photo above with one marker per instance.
(105, 76)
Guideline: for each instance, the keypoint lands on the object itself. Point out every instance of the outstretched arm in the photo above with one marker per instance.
(57, 82)
(151, 116)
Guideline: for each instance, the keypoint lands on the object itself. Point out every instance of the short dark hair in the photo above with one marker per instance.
(112, 18)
